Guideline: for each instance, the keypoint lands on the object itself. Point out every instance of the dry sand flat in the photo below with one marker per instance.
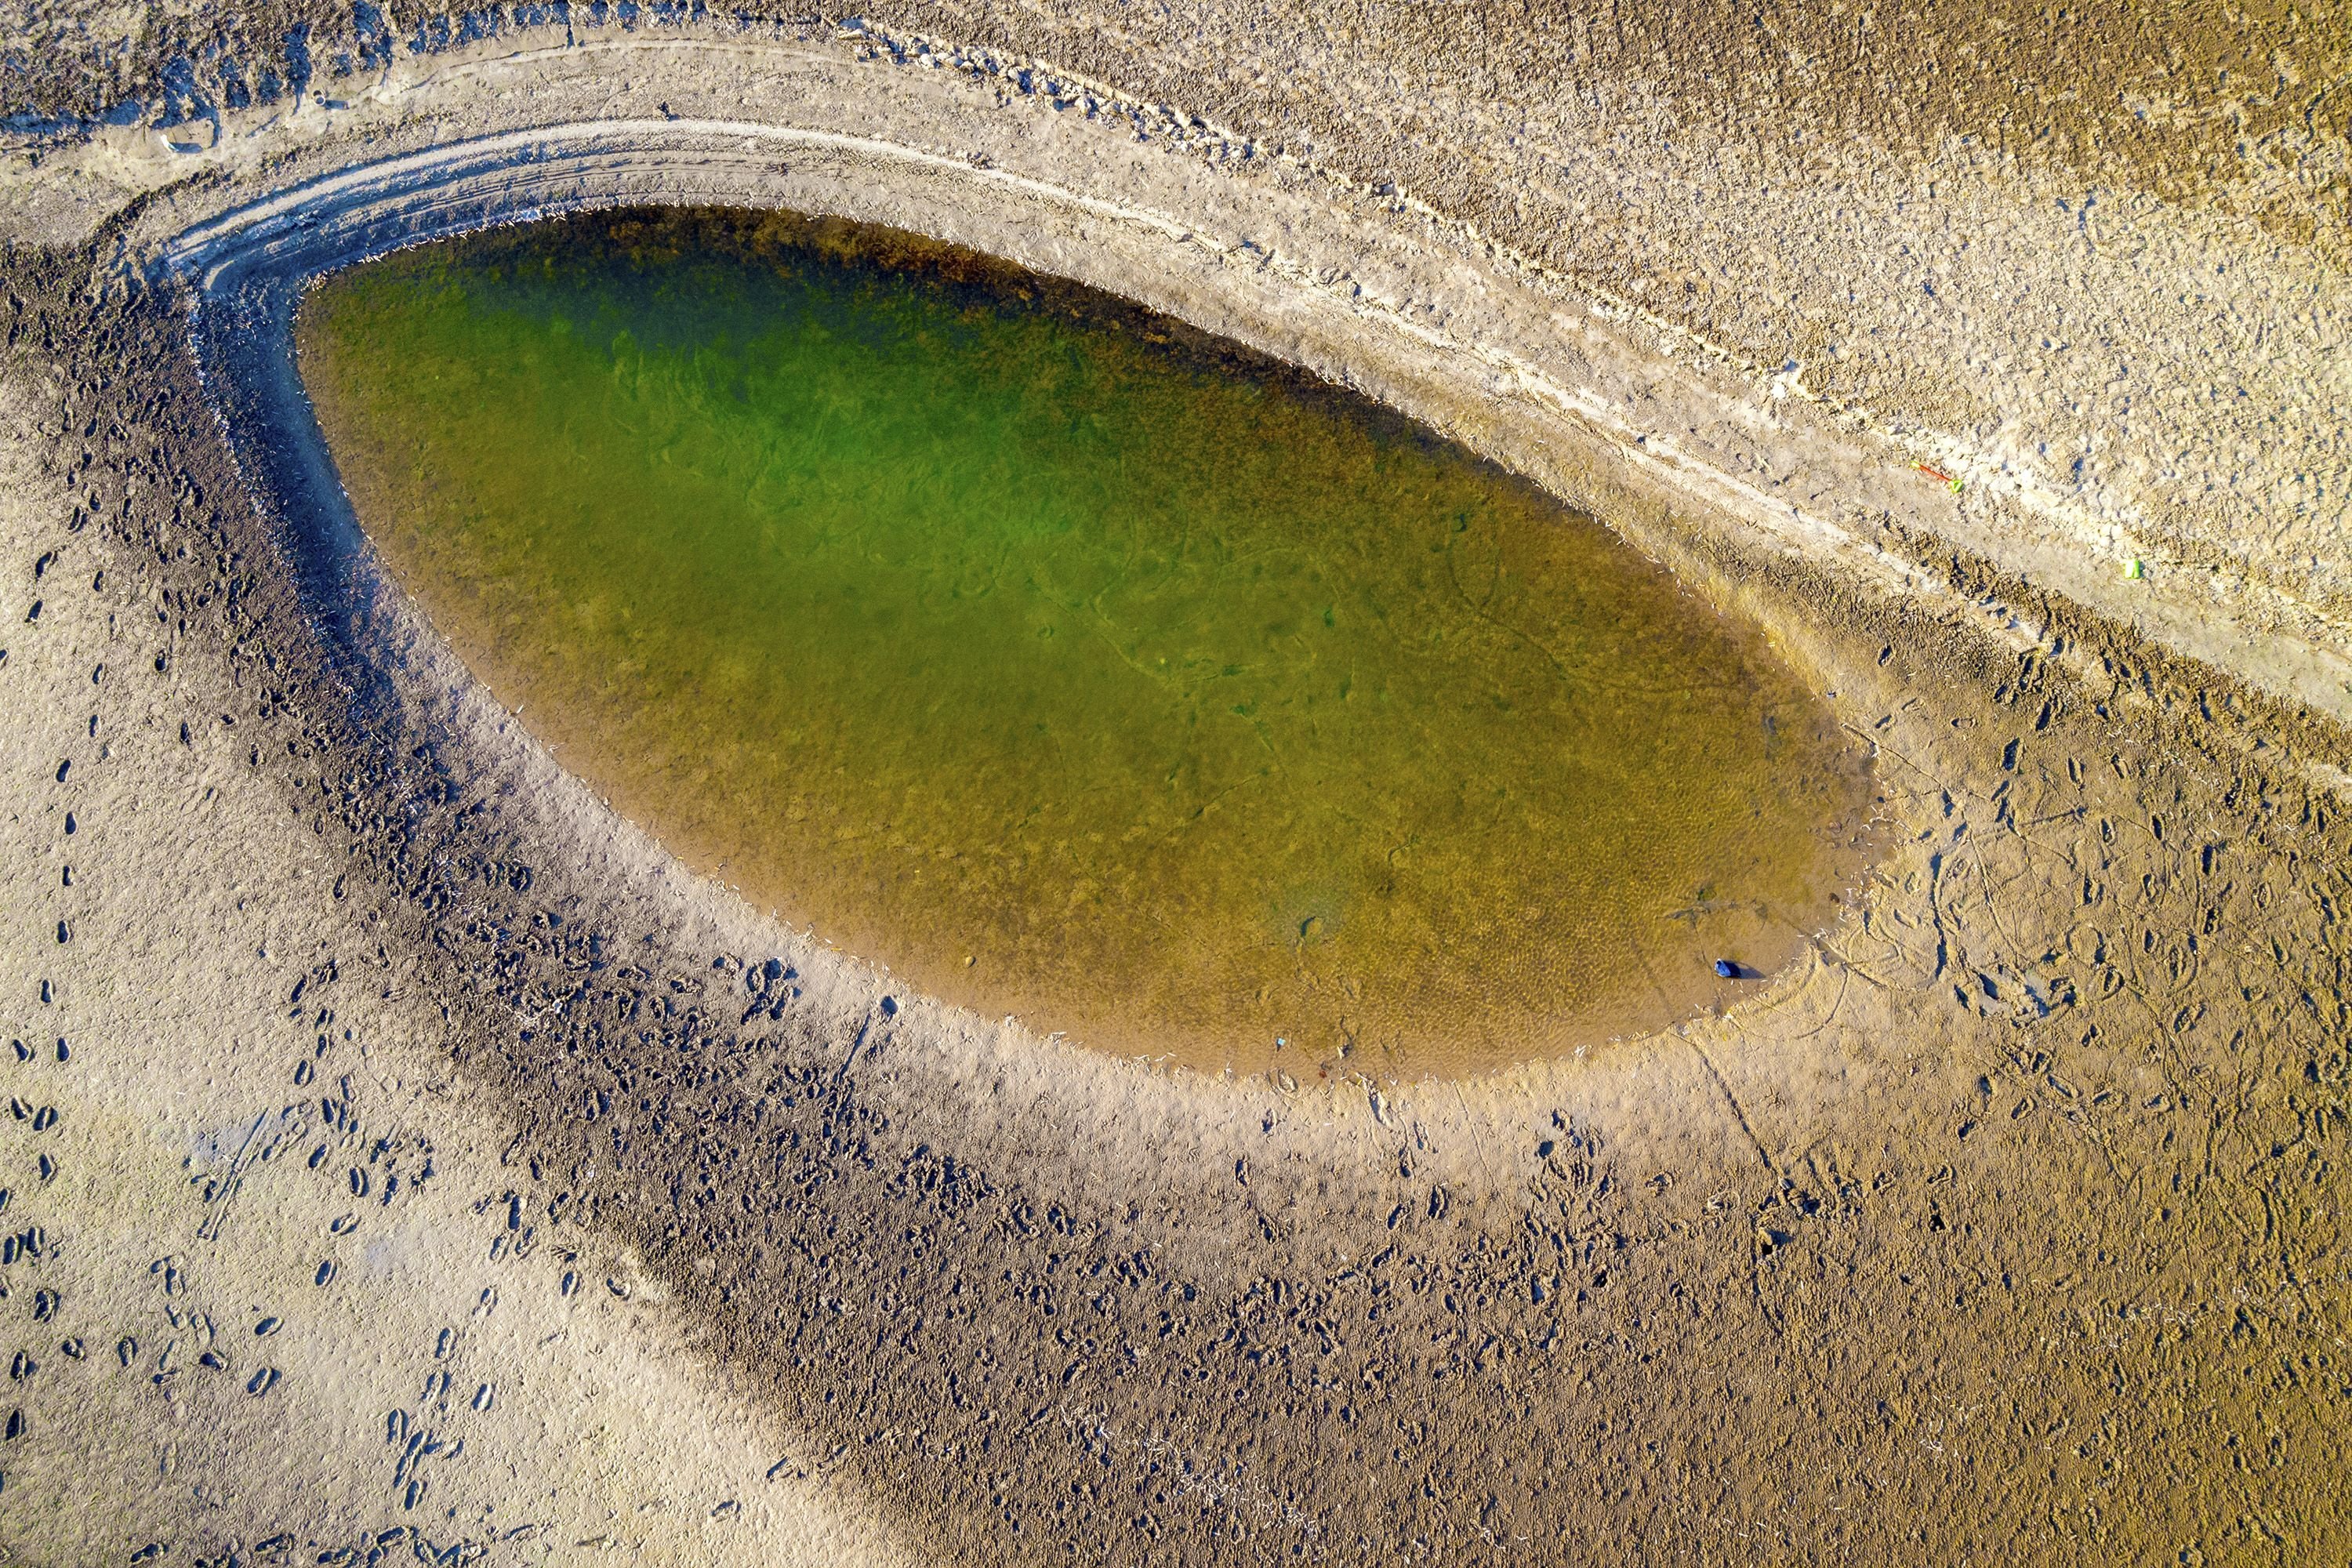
(2008, 1225)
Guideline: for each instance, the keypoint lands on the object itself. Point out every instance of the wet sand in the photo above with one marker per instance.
(2008, 1223)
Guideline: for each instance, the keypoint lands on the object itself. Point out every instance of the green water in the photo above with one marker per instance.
(1070, 664)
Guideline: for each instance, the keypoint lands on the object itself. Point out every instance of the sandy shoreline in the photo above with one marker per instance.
(1989, 1232)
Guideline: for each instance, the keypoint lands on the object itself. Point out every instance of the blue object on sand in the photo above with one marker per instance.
(1725, 970)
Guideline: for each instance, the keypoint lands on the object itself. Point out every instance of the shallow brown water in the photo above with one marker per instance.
(1073, 664)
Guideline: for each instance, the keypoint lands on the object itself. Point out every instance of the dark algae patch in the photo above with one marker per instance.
(1074, 665)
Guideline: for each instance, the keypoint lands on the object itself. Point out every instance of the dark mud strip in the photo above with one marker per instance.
(2052, 1277)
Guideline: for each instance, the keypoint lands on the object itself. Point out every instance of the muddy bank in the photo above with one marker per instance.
(2010, 1225)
